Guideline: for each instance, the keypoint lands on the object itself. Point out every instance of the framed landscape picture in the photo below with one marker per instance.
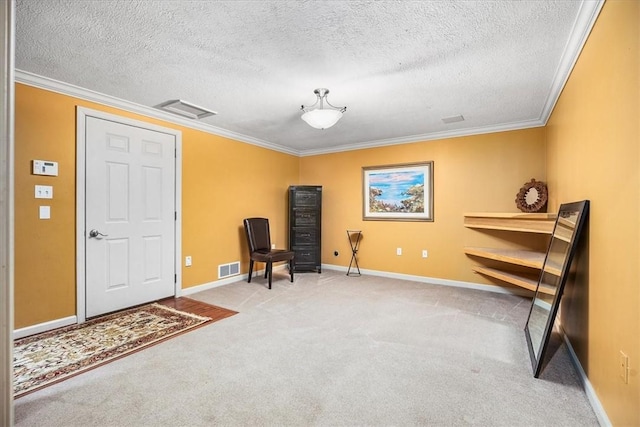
(398, 192)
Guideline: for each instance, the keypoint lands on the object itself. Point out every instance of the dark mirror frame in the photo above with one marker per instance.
(537, 350)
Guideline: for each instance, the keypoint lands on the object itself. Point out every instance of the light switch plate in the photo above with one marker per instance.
(45, 212)
(44, 192)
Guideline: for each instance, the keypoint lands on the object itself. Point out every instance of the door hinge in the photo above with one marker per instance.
(175, 216)
(175, 278)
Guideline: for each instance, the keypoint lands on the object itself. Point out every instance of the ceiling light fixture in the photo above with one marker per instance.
(322, 117)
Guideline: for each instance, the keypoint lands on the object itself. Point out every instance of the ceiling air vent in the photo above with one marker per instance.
(185, 109)
(453, 119)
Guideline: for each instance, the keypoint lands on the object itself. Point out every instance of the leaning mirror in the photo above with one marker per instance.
(553, 276)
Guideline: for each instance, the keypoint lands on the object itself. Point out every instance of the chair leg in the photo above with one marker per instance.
(291, 269)
(269, 269)
(266, 270)
(250, 270)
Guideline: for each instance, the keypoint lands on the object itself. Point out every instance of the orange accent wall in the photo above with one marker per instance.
(471, 174)
(593, 139)
(223, 181)
(590, 149)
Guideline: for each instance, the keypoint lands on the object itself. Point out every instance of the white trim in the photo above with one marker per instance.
(435, 281)
(505, 127)
(210, 285)
(585, 20)
(601, 415)
(422, 279)
(603, 419)
(7, 212)
(44, 327)
(52, 85)
(80, 215)
(82, 113)
(178, 208)
(217, 283)
(597, 407)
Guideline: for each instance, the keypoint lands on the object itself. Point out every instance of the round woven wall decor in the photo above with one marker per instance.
(532, 197)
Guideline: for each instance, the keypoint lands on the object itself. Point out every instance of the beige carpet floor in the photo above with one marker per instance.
(330, 350)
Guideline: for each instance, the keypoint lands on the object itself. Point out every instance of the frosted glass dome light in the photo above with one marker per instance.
(322, 117)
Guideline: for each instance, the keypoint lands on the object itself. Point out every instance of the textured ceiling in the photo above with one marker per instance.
(400, 67)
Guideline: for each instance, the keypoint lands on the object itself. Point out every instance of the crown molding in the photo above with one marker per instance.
(63, 88)
(585, 20)
(527, 124)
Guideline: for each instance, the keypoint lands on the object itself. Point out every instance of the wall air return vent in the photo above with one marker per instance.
(226, 270)
(185, 109)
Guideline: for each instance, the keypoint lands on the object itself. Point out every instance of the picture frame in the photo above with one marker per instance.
(401, 192)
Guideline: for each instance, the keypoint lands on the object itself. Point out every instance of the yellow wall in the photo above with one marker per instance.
(223, 182)
(471, 174)
(593, 141)
(589, 150)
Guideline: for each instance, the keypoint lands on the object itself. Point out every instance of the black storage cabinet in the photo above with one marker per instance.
(305, 219)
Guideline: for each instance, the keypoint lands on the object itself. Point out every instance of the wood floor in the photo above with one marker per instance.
(197, 307)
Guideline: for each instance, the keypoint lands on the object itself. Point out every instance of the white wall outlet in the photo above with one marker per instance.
(398, 251)
(187, 261)
(273, 246)
(44, 192)
(425, 253)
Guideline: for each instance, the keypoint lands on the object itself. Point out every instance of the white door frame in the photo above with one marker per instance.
(81, 114)
(7, 28)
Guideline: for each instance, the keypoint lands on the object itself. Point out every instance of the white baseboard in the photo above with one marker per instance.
(423, 279)
(210, 285)
(597, 407)
(603, 419)
(72, 320)
(44, 327)
(434, 280)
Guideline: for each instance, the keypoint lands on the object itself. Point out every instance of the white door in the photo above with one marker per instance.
(129, 215)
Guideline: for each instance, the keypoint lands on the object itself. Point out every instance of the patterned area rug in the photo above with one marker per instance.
(43, 359)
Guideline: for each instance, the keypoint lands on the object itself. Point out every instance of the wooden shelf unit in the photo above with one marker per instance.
(522, 222)
(537, 223)
(527, 281)
(532, 259)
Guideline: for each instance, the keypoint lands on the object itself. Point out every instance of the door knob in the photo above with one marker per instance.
(96, 233)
